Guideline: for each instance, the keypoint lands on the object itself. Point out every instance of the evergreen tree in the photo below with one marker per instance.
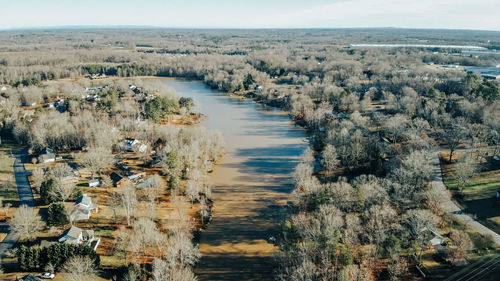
(57, 214)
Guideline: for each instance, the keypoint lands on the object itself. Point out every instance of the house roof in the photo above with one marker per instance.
(115, 177)
(72, 232)
(31, 277)
(84, 200)
(47, 150)
(80, 213)
(131, 141)
(88, 233)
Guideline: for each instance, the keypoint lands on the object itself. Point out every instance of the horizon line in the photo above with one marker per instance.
(67, 27)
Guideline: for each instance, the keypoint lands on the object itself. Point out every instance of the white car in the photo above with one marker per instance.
(48, 275)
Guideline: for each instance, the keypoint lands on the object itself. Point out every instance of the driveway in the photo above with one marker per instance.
(25, 198)
(450, 206)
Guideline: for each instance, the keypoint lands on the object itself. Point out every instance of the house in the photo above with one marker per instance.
(278, 95)
(30, 277)
(94, 182)
(132, 145)
(136, 175)
(435, 238)
(47, 155)
(432, 237)
(145, 184)
(117, 179)
(77, 235)
(83, 208)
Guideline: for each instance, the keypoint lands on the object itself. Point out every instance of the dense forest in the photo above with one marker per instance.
(364, 206)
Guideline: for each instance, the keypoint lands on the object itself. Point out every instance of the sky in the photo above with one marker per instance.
(449, 14)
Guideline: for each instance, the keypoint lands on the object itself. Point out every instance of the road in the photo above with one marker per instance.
(451, 207)
(25, 198)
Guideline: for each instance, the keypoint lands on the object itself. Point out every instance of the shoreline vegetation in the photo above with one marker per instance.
(363, 207)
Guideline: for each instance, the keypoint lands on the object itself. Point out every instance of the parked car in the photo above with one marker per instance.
(48, 275)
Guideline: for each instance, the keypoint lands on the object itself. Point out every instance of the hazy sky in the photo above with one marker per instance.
(467, 14)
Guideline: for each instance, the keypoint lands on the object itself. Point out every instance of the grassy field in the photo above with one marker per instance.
(479, 197)
(438, 268)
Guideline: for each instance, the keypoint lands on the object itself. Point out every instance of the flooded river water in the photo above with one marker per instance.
(251, 183)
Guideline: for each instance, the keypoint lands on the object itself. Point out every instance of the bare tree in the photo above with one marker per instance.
(180, 250)
(330, 158)
(37, 177)
(122, 241)
(193, 188)
(61, 171)
(26, 222)
(397, 269)
(204, 210)
(396, 125)
(106, 181)
(115, 201)
(152, 193)
(144, 236)
(454, 134)
(128, 199)
(420, 220)
(464, 170)
(96, 160)
(80, 268)
(165, 271)
(63, 189)
(460, 244)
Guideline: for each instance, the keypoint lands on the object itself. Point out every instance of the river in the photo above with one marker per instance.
(251, 183)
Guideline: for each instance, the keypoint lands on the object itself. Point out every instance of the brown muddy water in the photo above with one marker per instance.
(251, 184)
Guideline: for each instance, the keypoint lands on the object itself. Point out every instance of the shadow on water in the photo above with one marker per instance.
(250, 185)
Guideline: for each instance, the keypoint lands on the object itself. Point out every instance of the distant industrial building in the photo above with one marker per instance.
(488, 72)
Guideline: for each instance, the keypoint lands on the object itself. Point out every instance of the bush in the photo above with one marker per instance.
(483, 242)
(57, 214)
(35, 259)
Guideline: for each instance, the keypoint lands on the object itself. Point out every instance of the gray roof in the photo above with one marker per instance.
(80, 213)
(72, 232)
(31, 277)
(88, 233)
(84, 199)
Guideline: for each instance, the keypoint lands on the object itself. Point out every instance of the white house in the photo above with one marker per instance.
(77, 235)
(83, 208)
(134, 144)
(46, 156)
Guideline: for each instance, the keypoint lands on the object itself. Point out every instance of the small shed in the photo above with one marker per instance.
(94, 182)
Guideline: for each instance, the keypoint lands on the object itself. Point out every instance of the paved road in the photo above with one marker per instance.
(451, 207)
(25, 198)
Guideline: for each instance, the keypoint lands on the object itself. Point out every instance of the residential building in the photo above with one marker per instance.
(83, 208)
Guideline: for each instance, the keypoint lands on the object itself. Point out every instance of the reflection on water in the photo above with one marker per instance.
(251, 182)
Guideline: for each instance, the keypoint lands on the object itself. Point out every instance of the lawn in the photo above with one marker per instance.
(479, 197)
